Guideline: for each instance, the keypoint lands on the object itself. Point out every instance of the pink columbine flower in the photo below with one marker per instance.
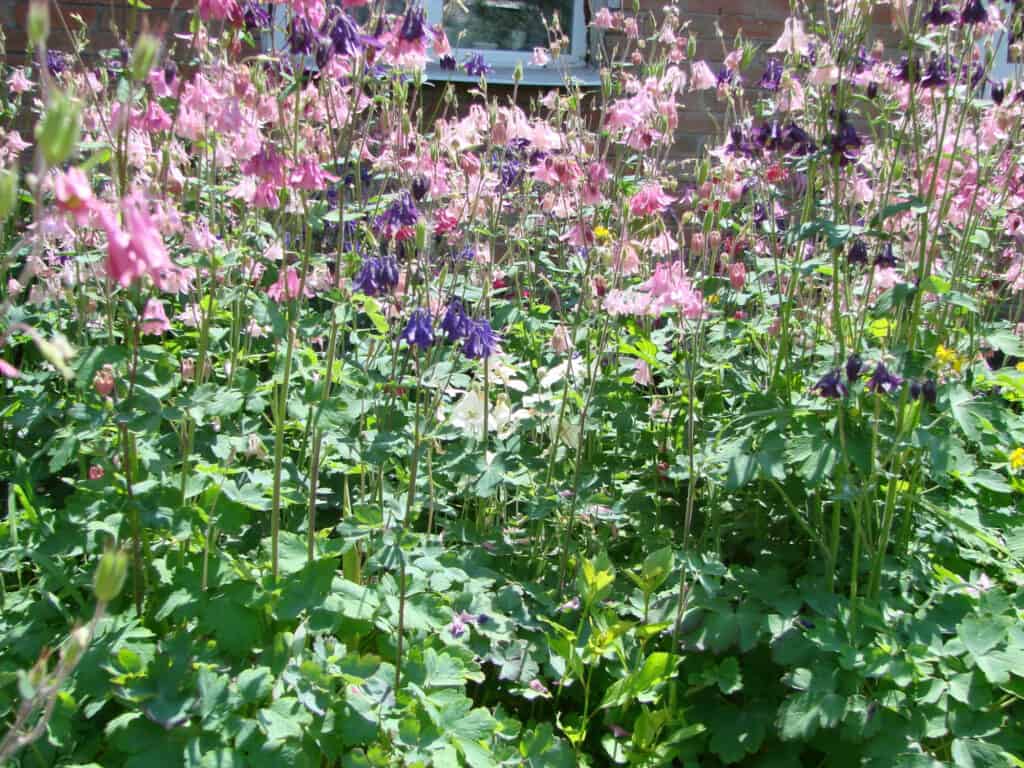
(138, 252)
(156, 118)
(642, 373)
(8, 371)
(287, 286)
(604, 19)
(154, 319)
(540, 57)
(74, 194)
(218, 10)
(18, 82)
(310, 176)
(701, 76)
(650, 199)
(96, 472)
(103, 382)
(737, 275)
(793, 38)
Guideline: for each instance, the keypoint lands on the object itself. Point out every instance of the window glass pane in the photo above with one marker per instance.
(507, 25)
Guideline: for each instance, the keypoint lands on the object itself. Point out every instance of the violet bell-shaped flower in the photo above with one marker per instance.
(480, 340)
(476, 66)
(418, 331)
(301, 36)
(846, 143)
(831, 385)
(884, 380)
(377, 276)
(772, 77)
(858, 252)
(456, 322)
(974, 12)
(938, 15)
(854, 365)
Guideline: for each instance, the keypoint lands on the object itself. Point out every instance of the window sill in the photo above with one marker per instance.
(532, 76)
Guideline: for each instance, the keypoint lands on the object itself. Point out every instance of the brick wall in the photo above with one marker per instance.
(106, 23)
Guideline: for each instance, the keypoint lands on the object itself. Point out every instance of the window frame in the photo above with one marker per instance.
(1003, 68)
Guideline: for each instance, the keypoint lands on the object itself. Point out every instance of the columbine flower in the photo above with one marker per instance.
(793, 38)
(476, 66)
(455, 322)
(400, 214)
(883, 380)
(480, 340)
(255, 16)
(854, 365)
(650, 199)
(998, 92)
(377, 275)
(154, 318)
(56, 62)
(939, 16)
(9, 371)
(418, 331)
(973, 13)
(936, 73)
(830, 385)
(74, 194)
(845, 142)
(858, 252)
(772, 76)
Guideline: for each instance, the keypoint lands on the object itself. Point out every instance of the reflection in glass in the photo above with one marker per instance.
(510, 25)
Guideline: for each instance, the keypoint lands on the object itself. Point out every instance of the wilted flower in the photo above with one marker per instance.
(561, 340)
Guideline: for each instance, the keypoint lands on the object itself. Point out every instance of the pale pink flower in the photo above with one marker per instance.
(8, 371)
(701, 76)
(138, 252)
(604, 19)
(74, 194)
(310, 176)
(793, 38)
(18, 82)
(540, 57)
(96, 472)
(154, 319)
(737, 275)
(642, 373)
(561, 339)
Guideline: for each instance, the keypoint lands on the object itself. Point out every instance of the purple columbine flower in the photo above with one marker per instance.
(772, 77)
(974, 13)
(480, 340)
(448, 63)
(346, 39)
(858, 252)
(908, 70)
(769, 136)
(883, 380)
(401, 213)
(936, 73)
(420, 187)
(938, 15)
(831, 385)
(56, 62)
(455, 322)
(377, 275)
(301, 38)
(418, 331)
(476, 66)
(998, 92)
(414, 25)
(854, 365)
(796, 141)
(887, 258)
(255, 16)
(846, 144)
(740, 144)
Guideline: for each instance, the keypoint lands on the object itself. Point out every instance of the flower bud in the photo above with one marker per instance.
(103, 381)
(144, 56)
(561, 341)
(38, 22)
(96, 472)
(8, 192)
(58, 129)
(110, 575)
(737, 275)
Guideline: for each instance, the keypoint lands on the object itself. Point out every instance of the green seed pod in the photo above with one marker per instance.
(58, 130)
(110, 575)
(38, 22)
(144, 56)
(8, 192)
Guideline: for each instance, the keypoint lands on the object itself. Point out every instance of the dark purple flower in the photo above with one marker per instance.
(936, 73)
(998, 92)
(255, 16)
(854, 365)
(846, 144)
(448, 63)
(872, 90)
(418, 331)
(170, 72)
(908, 70)
(858, 252)
(929, 391)
(345, 36)
(769, 136)
(830, 385)
(401, 213)
(739, 144)
(480, 340)
(301, 38)
(420, 187)
(796, 141)
(456, 322)
(938, 15)
(973, 13)
(887, 258)
(414, 25)
(772, 76)
(476, 66)
(883, 380)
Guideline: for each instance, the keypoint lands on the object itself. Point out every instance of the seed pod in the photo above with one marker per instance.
(110, 575)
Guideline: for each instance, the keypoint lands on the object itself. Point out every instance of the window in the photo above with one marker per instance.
(503, 32)
(1005, 62)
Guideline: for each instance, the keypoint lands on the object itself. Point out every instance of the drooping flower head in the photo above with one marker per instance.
(883, 380)
(378, 275)
(480, 340)
(772, 77)
(418, 331)
(456, 322)
(846, 143)
(938, 15)
(400, 214)
(476, 66)
(154, 318)
(974, 12)
(830, 385)
(858, 252)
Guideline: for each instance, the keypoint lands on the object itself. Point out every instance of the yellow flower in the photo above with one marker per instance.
(948, 357)
(712, 299)
(1020, 366)
(601, 233)
(1017, 459)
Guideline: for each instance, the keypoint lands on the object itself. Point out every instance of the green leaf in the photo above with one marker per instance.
(980, 634)
(971, 753)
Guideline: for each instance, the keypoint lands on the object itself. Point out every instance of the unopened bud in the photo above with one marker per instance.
(38, 22)
(144, 56)
(57, 131)
(517, 73)
(110, 575)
